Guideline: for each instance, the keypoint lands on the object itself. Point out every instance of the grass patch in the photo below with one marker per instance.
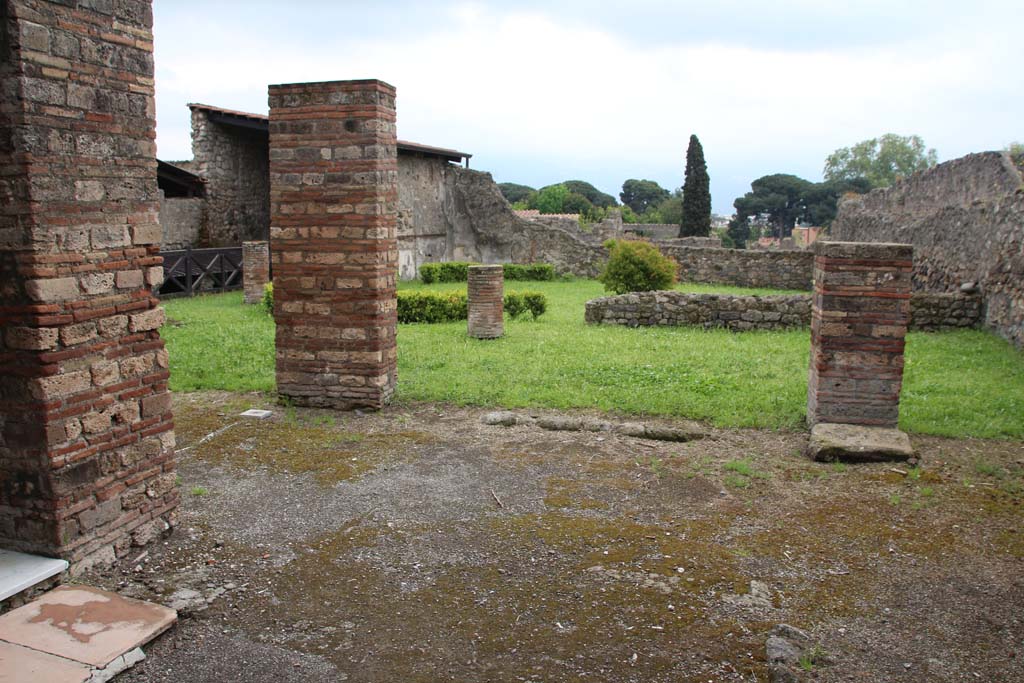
(964, 383)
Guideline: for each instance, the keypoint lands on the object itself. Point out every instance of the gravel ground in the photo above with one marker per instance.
(419, 544)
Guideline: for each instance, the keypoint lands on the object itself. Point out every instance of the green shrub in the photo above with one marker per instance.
(544, 272)
(445, 271)
(431, 307)
(536, 302)
(446, 307)
(458, 271)
(635, 266)
(267, 302)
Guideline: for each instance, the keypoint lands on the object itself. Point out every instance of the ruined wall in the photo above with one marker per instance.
(742, 267)
(736, 313)
(928, 312)
(965, 219)
(235, 165)
(181, 219)
(86, 440)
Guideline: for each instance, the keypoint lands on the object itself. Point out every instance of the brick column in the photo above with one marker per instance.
(861, 308)
(86, 440)
(334, 199)
(486, 301)
(255, 269)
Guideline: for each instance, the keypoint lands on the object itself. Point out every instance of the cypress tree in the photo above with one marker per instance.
(696, 193)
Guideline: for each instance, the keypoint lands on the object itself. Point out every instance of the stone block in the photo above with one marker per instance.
(856, 443)
(152, 319)
(53, 290)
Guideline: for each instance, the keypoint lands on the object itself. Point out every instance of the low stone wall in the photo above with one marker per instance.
(737, 313)
(742, 267)
(945, 311)
(928, 312)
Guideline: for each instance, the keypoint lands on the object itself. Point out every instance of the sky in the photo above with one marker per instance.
(540, 92)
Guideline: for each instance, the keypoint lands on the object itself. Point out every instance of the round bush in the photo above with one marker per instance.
(635, 266)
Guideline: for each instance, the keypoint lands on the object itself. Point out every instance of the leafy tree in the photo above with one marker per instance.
(576, 203)
(513, 192)
(821, 200)
(696, 218)
(739, 230)
(780, 197)
(1015, 149)
(640, 195)
(550, 199)
(880, 160)
(671, 210)
(592, 194)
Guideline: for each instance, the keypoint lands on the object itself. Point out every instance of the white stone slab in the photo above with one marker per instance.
(19, 571)
(257, 413)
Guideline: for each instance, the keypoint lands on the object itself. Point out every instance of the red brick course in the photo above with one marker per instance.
(486, 301)
(255, 270)
(334, 197)
(81, 359)
(860, 313)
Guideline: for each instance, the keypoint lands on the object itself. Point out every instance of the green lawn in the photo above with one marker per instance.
(966, 383)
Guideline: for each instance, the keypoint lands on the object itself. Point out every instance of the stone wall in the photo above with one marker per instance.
(182, 220)
(86, 432)
(234, 163)
(965, 219)
(928, 312)
(736, 313)
(255, 270)
(742, 267)
(422, 221)
(334, 198)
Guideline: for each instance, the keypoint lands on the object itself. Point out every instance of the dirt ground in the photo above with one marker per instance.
(419, 544)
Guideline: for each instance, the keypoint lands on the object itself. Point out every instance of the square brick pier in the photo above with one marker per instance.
(86, 440)
(860, 313)
(333, 204)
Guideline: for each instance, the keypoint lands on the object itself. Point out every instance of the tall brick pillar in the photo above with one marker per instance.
(486, 301)
(333, 205)
(860, 313)
(255, 270)
(86, 440)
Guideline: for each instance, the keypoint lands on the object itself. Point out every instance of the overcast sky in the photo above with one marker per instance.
(541, 92)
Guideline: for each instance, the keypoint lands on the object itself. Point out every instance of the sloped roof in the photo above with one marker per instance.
(260, 122)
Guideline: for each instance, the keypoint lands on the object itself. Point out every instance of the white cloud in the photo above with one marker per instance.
(531, 95)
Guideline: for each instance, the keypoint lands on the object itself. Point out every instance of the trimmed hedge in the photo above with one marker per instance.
(447, 307)
(458, 271)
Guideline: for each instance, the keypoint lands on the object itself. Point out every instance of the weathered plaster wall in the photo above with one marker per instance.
(422, 221)
(965, 219)
(235, 165)
(182, 221)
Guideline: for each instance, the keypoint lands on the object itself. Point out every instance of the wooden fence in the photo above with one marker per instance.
(191, 271)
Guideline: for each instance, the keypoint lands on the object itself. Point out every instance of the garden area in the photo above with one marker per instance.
(963, 383)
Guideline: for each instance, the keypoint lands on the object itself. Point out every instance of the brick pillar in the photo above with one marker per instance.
(861, 309)
(486, 301)
(86, 440)
(255, 269)
(334, 198)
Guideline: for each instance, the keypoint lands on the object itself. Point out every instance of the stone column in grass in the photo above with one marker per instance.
(86, 432)
(334, 197)
(486, 296)
(860, 313)
(255, 270)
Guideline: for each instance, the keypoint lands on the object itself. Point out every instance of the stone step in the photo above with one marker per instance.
(20, 571)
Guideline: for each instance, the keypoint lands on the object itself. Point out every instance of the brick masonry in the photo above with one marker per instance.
(86, 432)
(859, 318)
(255, 270)
(333, 193)
(486, 301)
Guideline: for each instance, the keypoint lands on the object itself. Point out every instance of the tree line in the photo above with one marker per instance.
(643, 201)
(775, 204)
